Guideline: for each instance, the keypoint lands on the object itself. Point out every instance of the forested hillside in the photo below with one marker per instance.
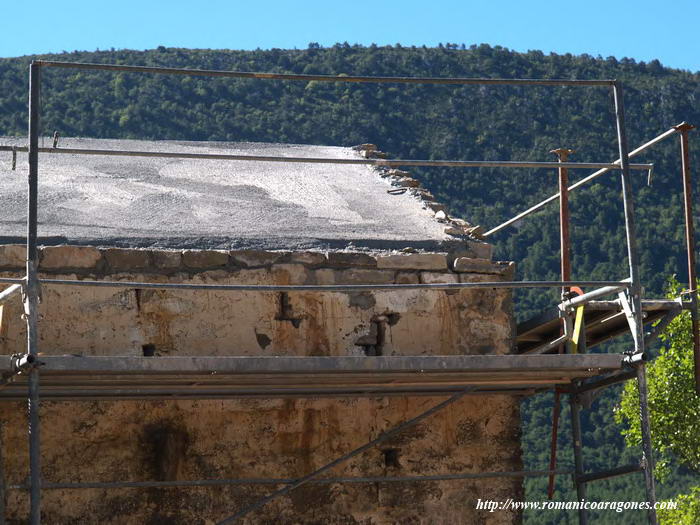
(431, 122)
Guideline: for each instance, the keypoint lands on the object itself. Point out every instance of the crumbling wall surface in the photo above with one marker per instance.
(264, 438)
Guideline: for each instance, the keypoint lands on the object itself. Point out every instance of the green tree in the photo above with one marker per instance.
(688, 511)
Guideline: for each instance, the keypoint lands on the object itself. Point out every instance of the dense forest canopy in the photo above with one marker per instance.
(431, 122)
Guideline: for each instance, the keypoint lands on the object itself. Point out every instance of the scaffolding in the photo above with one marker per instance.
(535, 367)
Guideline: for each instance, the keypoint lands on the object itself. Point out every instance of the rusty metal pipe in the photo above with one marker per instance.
(610, 473)
(322, 78)
(332, 287)
(389, 163)
(564, 237)
(556, 409)
(565, 262)
(285, 481)
(683, 129)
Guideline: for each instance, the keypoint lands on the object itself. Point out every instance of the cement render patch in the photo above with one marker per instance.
(212, 204)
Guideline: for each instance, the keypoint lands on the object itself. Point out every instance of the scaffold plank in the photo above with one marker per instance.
(130, 377)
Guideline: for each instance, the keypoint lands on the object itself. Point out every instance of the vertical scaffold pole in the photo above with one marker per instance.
(31, 301)
(577, 438)
(564, 237)
(565, 259)
(635, 298)
(684, 128)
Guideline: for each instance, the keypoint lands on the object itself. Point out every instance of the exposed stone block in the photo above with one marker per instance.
(166, 260)
(508, 269)
(56, 257)
(481, 250)
(422, 193)
(198, 259)
(289, 274)
(476, 231)
(253, 276)
(414, 261)
(478, 277)
(406, 182)
(126, 259)
(407, 278)
(364, 276)
(348, 259)
(256, 258)
(309, 258)
(473, 265)
(436, 278)
(365, 147)
(374, 154)
(13, 255)
(325, 276)
(454, 230)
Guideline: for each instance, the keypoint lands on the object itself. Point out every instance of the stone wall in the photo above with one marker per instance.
(265, 437)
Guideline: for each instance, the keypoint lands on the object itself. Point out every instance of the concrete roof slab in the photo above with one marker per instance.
(185, 203)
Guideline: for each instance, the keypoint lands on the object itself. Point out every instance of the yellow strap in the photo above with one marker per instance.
(578, 325)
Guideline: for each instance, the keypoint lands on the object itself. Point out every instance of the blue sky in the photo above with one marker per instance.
(640, 29)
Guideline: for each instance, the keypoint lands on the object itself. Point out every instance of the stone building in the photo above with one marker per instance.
(263, 223)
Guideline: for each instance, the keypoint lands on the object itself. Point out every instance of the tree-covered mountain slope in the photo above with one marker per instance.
(431, 122)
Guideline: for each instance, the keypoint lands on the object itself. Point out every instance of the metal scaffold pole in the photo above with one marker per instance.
(635, 299)
(577, 439)
(31, 299)
(684, 129)
(565, 261)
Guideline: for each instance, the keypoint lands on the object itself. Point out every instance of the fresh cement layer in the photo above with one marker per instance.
(184, 203)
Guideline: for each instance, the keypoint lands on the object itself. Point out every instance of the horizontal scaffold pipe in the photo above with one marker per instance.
(286, 481)
(333, 287)
(11, 280)
(611, 473)
(316, 160)
(323, 78)
(593, 294)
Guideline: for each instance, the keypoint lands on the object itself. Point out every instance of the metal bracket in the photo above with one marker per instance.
(629, 314)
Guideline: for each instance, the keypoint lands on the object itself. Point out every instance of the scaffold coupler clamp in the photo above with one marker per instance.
(633, 360)
(24, 362)
(25, 289)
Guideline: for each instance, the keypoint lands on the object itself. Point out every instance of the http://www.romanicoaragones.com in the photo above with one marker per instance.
(617, 506)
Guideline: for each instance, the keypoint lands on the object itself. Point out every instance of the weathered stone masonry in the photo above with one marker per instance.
(255, 438)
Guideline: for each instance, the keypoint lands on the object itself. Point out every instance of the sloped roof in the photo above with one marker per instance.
(185, 203)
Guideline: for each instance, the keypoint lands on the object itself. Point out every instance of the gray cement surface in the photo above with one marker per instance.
(183, 203)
